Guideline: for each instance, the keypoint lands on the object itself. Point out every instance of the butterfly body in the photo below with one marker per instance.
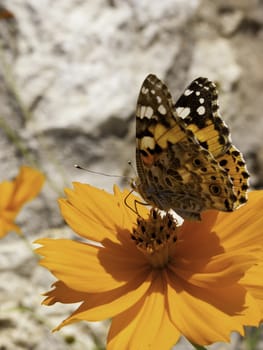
(184, 155)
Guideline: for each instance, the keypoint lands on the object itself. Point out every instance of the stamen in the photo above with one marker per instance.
(155, 237)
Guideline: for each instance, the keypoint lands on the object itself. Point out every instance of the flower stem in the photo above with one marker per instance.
(198, 347)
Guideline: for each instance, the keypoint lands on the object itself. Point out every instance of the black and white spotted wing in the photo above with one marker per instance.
(198, 106)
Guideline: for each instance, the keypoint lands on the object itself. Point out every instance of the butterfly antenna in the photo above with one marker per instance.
(98, 172)
(132, 167)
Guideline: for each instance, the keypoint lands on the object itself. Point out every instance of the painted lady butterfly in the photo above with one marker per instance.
(185, 158)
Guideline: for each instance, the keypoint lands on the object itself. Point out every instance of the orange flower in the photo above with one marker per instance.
(14, 194)
(154, 279)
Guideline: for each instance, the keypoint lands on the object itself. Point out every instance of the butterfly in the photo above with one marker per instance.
(184, 154)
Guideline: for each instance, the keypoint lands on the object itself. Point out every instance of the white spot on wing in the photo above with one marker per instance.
(141, 114)
(162, 109)
(197, 93)
(158, 98)
(201, 110)
(183, 112)
(147, 142)
(148, 112)
(144, 111)
(138, 111)
(144, 90)
(201, 100)
(188, 92)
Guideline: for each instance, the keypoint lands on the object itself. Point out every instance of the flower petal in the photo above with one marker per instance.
(7, 226)
(63, 294)
(243, 227)
(16, 193)
(220, 271)
(6, 190)
(127, 196)
(95, 214)
(28, 183)
(208, 219)
(88, 268)
(146, 325)
(198, 234)
(98, 306)
(254, 284)
(208, 315)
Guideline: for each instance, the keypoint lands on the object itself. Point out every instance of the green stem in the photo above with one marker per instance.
(252, 338)
(14, 137)
(198, 347)
(11, 86)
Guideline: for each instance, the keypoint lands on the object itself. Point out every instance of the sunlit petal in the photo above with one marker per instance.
(100, 218)
(225, 268)
(208, 315)
(146, 325)
(27, 185)
(104, 305)
(6, 190)
(14, 194)
(244, 226)
(85, 267)
(6, 226)
(253, 282)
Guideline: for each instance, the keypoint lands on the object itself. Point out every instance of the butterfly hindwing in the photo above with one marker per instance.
(233, 162)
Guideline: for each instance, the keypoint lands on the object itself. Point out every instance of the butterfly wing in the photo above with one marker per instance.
(174, 170)
(233, 162)
(198, 106)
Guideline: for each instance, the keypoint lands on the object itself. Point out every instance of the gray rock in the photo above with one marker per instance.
(70, 74)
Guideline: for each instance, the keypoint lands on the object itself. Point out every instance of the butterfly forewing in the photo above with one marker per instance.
(198, 106)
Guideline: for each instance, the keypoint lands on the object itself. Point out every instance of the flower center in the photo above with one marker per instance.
(155, 237)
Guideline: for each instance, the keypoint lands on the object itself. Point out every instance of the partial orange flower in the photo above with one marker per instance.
(157, 280)
(14, 194)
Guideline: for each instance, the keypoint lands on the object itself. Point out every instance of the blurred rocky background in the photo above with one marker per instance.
(70, 73)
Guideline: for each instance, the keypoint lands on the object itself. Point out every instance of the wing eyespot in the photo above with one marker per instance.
(197, 162)
(215, 190)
